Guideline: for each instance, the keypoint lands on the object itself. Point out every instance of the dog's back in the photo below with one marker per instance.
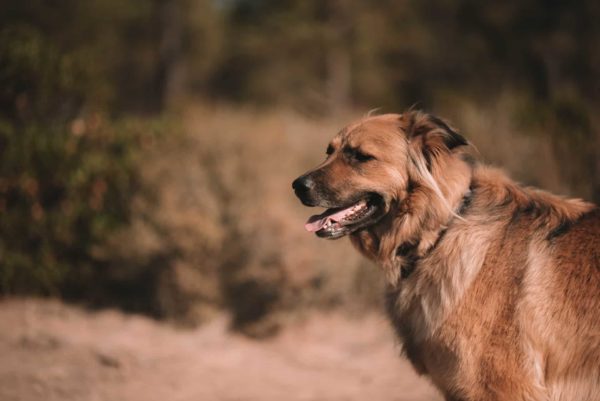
(560, 310)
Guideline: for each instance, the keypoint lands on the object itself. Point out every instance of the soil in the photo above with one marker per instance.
(52, 351)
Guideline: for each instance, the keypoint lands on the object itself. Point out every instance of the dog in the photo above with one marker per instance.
(493, 288)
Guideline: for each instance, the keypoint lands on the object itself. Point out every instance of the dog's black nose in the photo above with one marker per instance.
(305, 189)
(303, 185)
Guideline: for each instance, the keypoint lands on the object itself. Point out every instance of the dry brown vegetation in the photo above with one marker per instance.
(225, 228)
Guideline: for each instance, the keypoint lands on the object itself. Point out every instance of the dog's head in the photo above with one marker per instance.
(370, 168)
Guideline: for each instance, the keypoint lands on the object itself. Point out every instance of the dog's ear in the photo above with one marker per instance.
(448, 135)
(430, 135)
(431, 130)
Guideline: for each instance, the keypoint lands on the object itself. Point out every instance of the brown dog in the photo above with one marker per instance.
(493, 288)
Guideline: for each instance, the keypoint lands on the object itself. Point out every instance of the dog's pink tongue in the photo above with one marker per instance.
(316, 222)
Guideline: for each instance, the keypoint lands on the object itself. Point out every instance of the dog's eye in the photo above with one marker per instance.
(359, 156)
(329, 150)
(363, 157)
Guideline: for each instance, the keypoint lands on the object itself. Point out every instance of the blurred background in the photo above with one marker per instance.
(147, 147)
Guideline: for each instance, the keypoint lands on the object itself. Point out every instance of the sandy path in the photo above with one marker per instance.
(51, 351)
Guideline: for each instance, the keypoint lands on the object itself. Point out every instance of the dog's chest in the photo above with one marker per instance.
(459, 335)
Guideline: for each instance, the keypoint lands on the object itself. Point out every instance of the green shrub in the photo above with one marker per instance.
(67, 173)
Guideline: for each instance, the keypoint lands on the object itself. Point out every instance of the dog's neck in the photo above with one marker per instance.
(410, 252)
(417, 223)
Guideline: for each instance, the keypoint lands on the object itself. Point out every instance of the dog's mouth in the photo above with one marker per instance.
(340, 221)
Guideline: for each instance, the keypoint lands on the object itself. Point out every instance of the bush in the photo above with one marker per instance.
(67, 174)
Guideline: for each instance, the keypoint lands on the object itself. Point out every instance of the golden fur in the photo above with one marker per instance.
(493, 288)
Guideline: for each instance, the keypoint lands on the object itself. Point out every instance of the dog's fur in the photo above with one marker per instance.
(493, 288)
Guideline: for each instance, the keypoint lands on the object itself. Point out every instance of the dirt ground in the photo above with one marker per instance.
(51, 351)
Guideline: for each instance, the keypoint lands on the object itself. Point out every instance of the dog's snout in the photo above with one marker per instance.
(303, 184)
